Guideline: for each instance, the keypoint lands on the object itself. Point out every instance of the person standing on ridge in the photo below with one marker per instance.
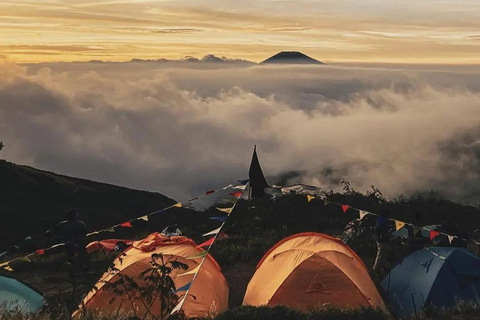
(73, 233)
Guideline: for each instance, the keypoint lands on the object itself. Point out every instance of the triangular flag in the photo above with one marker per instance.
(92, 233)
(178, 306)
(242, 187)
(243, 181)
(450, 238)
(25, 259)
(126, 224)
(193, 199)
(144, 218)
(212, 232)
(193, 271)
(399, 224)
(112, 229)
(433, 234)
(198, 256)
(345, 207)
(226, 210)
(227, 187)
(416, 230)
(310, 198)
(325, 202)
(178, 205)
(236, 194)
(362, 214)
(206, 243)
(222, 235)
(223, 218)
(8, 268)
(184, 288)
(4, 265)
(209, 192)
(40, 251)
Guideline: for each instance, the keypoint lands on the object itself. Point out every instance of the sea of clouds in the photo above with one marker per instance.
(180, 128)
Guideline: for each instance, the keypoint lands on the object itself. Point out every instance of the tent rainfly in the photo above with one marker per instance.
(311, 270)
(208, 295)
(432, 276)
(17, 295)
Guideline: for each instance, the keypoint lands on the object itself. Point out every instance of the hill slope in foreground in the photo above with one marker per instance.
(33, 201)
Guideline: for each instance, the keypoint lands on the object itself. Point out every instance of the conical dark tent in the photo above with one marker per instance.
(258, 183)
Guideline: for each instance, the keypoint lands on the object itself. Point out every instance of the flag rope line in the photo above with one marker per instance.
(4, 265)
(395, 220)
(179, 306)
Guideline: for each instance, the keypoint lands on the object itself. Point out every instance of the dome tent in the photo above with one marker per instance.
(208, 295)
(309, 270)
(432, 276)
(15, 294)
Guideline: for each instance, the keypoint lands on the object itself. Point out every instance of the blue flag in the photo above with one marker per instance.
(220, 218)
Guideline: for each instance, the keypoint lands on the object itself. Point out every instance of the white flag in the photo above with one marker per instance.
(193, 271)
(212, 232)
(144, 218)
(450, 238)
(362, 214)
(179, 305)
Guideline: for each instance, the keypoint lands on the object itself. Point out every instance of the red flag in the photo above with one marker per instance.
(206, 243)
(222, 235)
(345, 207)
(433, 234)
(209, 191)
(40, 251)
(236, 194)
(126, 224)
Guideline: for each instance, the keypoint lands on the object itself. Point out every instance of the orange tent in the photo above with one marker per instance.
(208, 295)
(311, 270)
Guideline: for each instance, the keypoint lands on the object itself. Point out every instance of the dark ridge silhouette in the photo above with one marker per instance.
(33, 201)
(291, 57)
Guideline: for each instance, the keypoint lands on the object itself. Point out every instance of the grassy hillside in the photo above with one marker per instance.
(33, 201)
(253, 228)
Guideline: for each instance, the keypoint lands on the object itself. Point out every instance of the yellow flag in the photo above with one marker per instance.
(310, 198)
(226, 210)
(399, 224)
(178, 205)
(25, 259)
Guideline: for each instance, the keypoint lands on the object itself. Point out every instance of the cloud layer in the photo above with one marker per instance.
(181, 128)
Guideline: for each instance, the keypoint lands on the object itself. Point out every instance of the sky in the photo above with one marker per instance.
(181, 128)
(407, 31)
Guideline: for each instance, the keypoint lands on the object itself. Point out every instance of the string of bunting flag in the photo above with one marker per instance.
(398, 223)
(126, 224)
(217, 234)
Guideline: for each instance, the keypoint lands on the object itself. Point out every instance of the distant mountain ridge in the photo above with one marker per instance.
(291, 57)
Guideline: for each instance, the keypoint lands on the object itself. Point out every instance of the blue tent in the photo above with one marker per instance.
(15, 294)
(432, 276)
